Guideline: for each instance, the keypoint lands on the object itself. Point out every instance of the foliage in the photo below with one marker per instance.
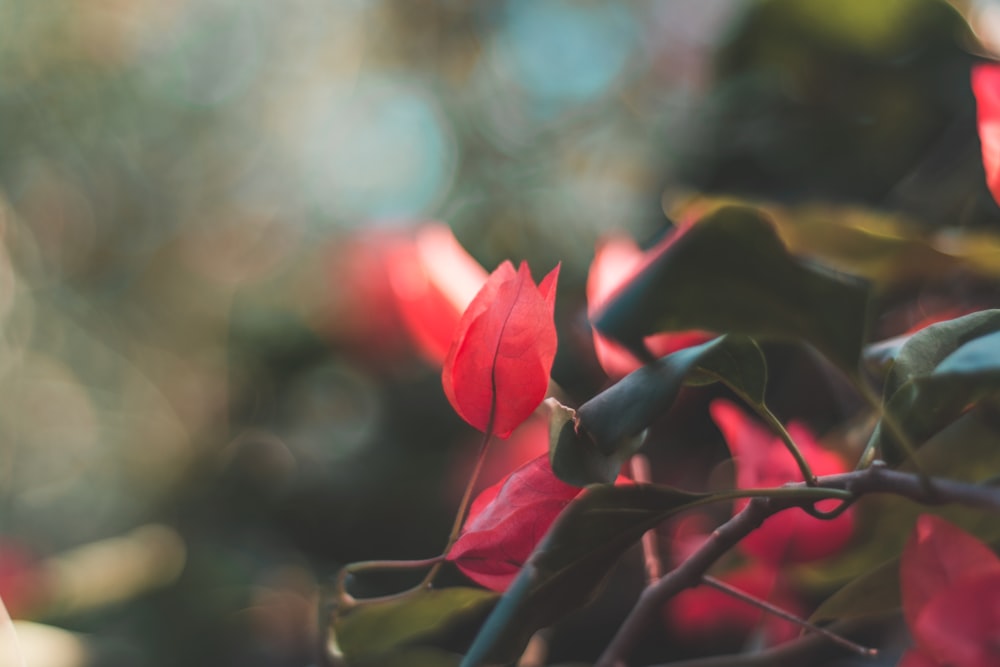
(548, 545)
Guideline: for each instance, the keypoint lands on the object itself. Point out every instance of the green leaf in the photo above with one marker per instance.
(873, 593)
(574, 457)
(925, 349)
(937, 375)
(625, 409)
(569, 565)
(376, 628)
(731, 273)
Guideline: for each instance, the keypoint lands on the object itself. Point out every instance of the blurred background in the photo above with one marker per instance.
(208, 402)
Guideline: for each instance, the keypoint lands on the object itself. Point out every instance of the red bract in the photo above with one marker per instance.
(497, 370)
(950, 584)
(506, 522)
(433, 279)
(763, 461)
(616, 260)
(986, 87)
(703, 612)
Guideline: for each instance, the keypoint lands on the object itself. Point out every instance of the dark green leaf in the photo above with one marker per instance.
(937, 375)
(925, 349)
(572, 561)
(575, 458)
(626, 408)
(731, 273)
(376, 628)
(873, 593)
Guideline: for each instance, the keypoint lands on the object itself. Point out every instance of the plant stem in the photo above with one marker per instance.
(347, 601)
(801, 651)
(791, 618)
(463, 506)
(786, 438)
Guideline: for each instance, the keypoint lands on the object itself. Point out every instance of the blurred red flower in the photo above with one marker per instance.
(950, 584)
(703, 612)
(497, 370)
(763, 461)
(23, 585)
(616, 259)
(395, 287)
(433, 279)
(986, 87)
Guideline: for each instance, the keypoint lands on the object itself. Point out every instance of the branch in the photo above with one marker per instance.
(875, 479)
(790, 654)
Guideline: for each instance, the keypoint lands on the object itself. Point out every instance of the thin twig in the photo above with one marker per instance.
(791, 618)
(347, 601)
(792, 653)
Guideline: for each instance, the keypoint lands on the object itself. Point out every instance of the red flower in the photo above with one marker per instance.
(950, 583)
(616, 260)
(763, 461)
(395, 286)
(986, 87)
(497, 370)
